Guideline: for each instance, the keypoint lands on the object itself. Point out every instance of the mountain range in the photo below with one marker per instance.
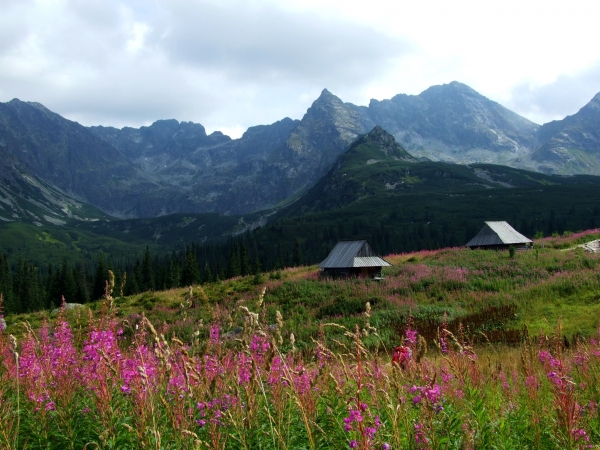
(52, 167)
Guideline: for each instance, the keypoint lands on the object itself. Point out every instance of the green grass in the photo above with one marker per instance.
(493, 297)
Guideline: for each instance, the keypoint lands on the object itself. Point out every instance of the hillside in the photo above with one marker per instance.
(571, 145)
(401, 204)
(448, 338)
(485, 291)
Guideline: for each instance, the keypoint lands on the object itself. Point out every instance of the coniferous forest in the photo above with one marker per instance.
(35, 285)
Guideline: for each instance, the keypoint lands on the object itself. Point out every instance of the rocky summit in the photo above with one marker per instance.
(452, 122)
(173, 166)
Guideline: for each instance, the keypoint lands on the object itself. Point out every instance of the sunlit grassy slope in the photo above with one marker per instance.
(496, 299)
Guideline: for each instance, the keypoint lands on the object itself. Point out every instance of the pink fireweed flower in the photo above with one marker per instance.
(214, 409)
(302, 379)
(446, 376)
(581, 359)
(580, 436)
(214, 334)
(100, 352)
(532, 382)
(411, 336)
(277, 372)
(546, 357)
(259, 348)
(433, 395)
(244, 368)
(354, 415)
(443, 345)
(212, 367)
(420, 437)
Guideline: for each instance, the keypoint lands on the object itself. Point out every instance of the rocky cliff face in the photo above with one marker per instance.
(68, 156)
(571, 145)
(268, 164)
(26, 198)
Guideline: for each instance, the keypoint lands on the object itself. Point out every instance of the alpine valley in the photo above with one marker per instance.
(411, 172)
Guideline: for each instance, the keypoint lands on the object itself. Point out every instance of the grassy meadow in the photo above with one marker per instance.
(505, 353)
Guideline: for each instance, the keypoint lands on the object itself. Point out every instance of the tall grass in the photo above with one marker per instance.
(260, 391)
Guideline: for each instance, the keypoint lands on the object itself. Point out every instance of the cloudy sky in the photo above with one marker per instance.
(231, 64)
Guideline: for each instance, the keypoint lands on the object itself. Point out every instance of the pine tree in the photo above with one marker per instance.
(81, 281)
(279, 260)
(190, 274)
(10, 306)
(234, 266)
(26, 288)
(137, 276)
(100, 278)
(67, 283)
(147, 280)
(208, 276)
(173, 274)
(298, 260)
(256, 266)
(245, 268)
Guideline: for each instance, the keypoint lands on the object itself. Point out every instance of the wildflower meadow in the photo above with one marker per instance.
(277, 365)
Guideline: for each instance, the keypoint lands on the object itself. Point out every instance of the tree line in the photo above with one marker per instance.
(28, 287)
(287, 242)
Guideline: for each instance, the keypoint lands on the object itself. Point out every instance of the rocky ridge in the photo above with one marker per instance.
(174, 166)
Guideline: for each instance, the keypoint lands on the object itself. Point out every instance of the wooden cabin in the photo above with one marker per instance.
(499, 235)
(353, 259)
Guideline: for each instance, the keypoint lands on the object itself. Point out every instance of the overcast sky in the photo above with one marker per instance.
(231, 64)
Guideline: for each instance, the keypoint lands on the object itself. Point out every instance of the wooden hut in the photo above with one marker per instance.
(353, 258)
(498, 235)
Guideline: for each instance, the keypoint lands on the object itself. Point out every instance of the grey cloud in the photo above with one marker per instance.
(12, 30)
(214, 64)
(565, 96)
(269, 44)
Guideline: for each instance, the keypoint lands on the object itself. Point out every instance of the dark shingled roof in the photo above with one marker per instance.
(497, 233)
(353, 254)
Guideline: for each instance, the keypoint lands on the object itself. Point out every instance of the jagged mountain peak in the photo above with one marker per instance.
(326, 100)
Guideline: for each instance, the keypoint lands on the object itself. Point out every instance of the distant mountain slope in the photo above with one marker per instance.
(452, 122)
(67, 155)
(571, 145)
(376, 167)
(268, 164)
(217, 173)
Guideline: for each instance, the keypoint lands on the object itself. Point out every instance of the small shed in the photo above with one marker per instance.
(353, 258)
(498, 235)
